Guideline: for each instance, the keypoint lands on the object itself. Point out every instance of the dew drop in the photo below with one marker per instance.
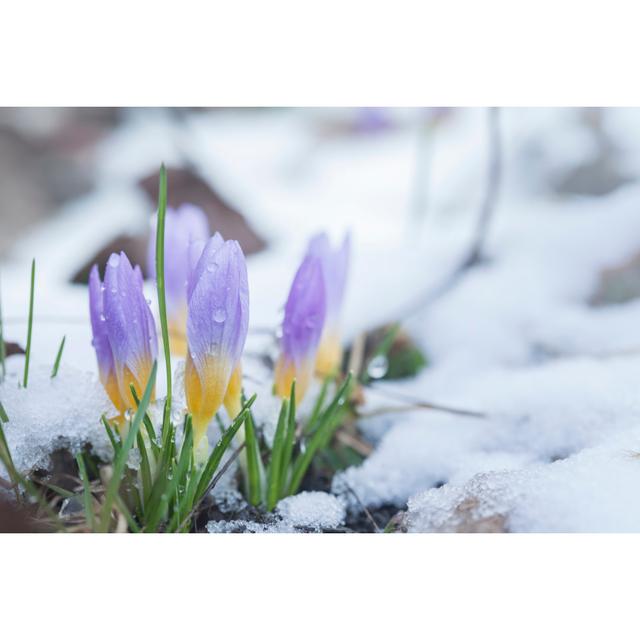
(219, 315)
(102, 317)
(378, 367)
(114, 260)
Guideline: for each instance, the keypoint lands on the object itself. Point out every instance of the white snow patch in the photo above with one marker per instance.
(49, 414)
(314, 509)
(593, 491)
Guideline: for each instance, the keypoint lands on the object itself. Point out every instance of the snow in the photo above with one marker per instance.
(314, 509)
(51, 414)
(593, 491)
(309, 511)
(515, 338)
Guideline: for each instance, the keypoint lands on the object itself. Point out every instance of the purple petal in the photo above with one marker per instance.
(99, 326)
(335, 265)
(218, 315)
(197, 261)
(187, 225)
(305, 311)
(129, 321)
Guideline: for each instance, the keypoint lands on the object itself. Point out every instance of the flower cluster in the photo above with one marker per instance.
(207, 295)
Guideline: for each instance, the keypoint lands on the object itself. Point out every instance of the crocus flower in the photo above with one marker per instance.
(335, 264)
(186, 232)
(124, 332)
(304, 316)
(217, 325)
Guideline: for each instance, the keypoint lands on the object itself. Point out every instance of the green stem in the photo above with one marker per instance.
(162, 301)
(27, 356)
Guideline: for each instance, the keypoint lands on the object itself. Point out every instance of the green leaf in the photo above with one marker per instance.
(151, 432)
(115, 442)
(317, 407)
(56, 364)
(177, 479)
(145, 469)
(219, 449)
(122, 507)
(27, 356)
(162, 300)
(59, 490)
(5, 453)
(254, 464)
(3, 414)
(287, 449)
(86, 493)
(122, 455)
(275, 465)
(326, 427)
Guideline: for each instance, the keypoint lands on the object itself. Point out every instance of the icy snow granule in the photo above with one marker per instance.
(247, 526)
(312, 509)
(63, 412)
(308, 510)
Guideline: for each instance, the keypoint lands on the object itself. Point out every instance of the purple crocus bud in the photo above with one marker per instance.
(186, 231)
(335, 266)
(304, 317)
(217, 325)
(124, 333)
(100, 342)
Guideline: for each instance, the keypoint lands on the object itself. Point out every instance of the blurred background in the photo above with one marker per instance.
(419, 188)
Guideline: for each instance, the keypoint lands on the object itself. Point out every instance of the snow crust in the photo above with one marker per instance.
(51, 414)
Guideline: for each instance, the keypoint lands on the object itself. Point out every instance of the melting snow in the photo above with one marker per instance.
(49, 414)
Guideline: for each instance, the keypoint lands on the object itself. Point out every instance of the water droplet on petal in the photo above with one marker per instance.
(219, 315)
(378, 367)
(114, 260)
(211, 267)
(102, 317)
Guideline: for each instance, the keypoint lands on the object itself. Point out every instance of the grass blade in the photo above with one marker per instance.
(123, 453)
(317, 407)
(162, 300)
(178, 478)
(145, 468)
(122, 507)
(86, 493)
(287, 450)
(254, 471)
(219, 449)
(151, 432)
(321, 435)
(115, 443)
(27, 356)
(56, 364)
(3, 414)
(5, 454)
(275, 465)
